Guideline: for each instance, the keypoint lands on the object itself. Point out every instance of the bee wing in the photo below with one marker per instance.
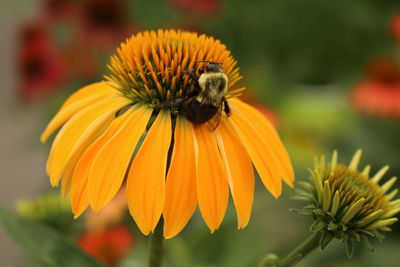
(214, 122)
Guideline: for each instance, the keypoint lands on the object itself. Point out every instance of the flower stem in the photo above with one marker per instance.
(301, 251)
(296, 255)
(156, 246)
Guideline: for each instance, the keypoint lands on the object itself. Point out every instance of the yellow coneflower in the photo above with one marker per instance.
(119, 130)
(347, 203)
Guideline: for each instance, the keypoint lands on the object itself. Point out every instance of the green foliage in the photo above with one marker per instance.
(44, 244)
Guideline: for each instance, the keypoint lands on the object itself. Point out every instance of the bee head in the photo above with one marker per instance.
(213, 66)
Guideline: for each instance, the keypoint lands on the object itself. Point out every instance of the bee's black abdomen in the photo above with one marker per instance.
(200, 113)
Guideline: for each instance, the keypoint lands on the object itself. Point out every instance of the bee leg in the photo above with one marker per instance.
(227, 109)
(192, 75)
(193, 93)
(174, 102)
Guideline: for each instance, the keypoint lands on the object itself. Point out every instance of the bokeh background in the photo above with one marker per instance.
(325, 72)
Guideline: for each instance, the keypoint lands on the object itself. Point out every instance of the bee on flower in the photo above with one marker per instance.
(168, 123)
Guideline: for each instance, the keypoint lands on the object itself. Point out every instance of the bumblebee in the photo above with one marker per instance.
(206, 102)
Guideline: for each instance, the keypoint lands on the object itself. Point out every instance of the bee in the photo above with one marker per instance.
(206, 101)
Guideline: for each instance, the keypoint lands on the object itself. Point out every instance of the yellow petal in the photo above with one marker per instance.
(78, 133)
(111, 163)
(79, 100)
(269, 134)
(96, 89)
(146, 179)
(212, 181)
(79, 190)
(259, 151)
(180, 188)
(66, 182)
(239, 170)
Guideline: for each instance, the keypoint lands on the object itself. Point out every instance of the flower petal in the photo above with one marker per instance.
(79, 100)
(79, 183)
(269, 134)
(146, 179)
(78, 133)
(66, 182)
(111, 163)
(212, 181)
(259, 151)
(99, 88)
(239, 170)
(180, 196)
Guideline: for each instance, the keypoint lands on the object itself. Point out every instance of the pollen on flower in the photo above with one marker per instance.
(153, 67)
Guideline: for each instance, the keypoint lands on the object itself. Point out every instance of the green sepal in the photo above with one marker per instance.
(302, 212)
(356, 236)
(300, 198)
(332, 226)
(303, 197)
(349, 248)
(330, 216)
(366, 244)
(379, 235)
(306, 186)
(367, 232)
(326, 238)
(319, 212)
(317, 226)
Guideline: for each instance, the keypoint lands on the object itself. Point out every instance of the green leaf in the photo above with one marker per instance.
(325, 239)
(317, 225)
(43, 243)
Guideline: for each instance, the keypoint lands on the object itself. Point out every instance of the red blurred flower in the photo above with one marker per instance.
(109, 246)
(395, 27)
(379, 92)
(40, 66)
(198, 7)
(106, 22)
(60, 8)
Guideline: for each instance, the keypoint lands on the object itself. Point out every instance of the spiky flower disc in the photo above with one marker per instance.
(153, 67)
(347, 203)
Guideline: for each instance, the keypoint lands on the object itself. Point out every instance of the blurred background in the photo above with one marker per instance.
(325, 72)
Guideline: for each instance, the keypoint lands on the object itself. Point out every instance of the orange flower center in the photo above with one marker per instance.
(153, 67)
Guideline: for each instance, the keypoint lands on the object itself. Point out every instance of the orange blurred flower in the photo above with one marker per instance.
(109, 246)
(379, 92)
(111, 214)
(395, 27)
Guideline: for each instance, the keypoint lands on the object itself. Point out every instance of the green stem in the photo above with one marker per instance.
(156, 246)
(295, 256)
(301, 251)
